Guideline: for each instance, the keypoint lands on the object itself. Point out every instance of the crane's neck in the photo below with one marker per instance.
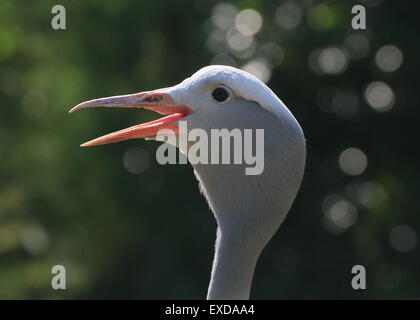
(233, 268)
(250, 208)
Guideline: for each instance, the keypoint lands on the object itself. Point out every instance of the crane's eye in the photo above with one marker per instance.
(220, 94)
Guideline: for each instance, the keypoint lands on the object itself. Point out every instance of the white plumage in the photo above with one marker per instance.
(248, 209)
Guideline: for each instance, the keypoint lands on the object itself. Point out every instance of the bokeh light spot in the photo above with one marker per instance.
(321, 17)
(339, 214)
(238, 41)
(216, 41)
(389, 58)
(224, 59)
(136, 160)
(272, 52)
(332, 60)
(223, 15)
(379, 96)
(288, 15)
(259, 68)
(403, 238)
(35, 240)
(353, 161)
(345, 103)
(357, 45)
(248, 22)
(371, 194)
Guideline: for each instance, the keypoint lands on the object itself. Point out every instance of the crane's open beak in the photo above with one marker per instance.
(161, 103)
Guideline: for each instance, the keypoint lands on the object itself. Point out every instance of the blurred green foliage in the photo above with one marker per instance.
(150, 234)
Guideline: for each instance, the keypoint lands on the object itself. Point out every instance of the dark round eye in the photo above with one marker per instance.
(220, 94)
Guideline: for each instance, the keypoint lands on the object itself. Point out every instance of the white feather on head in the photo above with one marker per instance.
(244, 85)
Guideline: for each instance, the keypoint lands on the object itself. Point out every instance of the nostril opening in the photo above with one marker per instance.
(155, 98)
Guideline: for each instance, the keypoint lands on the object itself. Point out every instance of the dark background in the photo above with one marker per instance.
(127, 227)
